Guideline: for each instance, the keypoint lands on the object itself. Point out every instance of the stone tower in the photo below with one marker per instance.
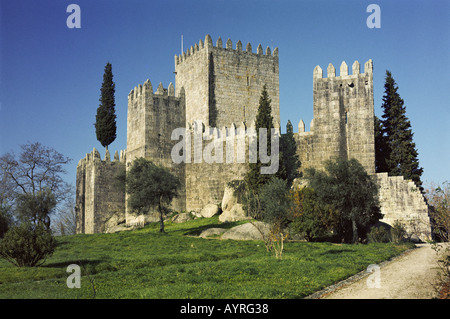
(223, 85)
(97, 198)
(343, 122)
(151, 118)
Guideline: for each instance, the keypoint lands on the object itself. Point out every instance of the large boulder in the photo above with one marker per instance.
(234, 214)
(142, 219)
(209, 211)
(119, 228)
(181, 218)
(114, 221)
(228, 200)
(232, 209)
(248, 231)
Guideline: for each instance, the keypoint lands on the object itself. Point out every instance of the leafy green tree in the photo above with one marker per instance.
(27, 245)
(264, 119)
(348, 188)
(312, 218)
(275, 203)
(400, 150)
(36, 209)
(151, 186)
(105, 120)
(5, 220)
(276, 206)
(289, 162)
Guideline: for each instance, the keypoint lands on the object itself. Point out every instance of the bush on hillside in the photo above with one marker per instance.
(27, 245)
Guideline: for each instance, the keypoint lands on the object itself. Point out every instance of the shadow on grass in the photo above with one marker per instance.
(81, 263)
(336, 251)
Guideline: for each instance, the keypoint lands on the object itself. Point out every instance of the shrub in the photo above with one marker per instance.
(275, 204)
(438, 197)
(378, 235)
(348, 188)
(398, 232)
(27, 245)
(310, 217)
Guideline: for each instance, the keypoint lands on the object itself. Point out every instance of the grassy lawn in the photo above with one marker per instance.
(146, 264)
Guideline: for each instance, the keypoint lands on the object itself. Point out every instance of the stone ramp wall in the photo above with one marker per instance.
(402, 200)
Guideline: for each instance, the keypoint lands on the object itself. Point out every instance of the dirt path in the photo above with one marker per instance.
(411, 276)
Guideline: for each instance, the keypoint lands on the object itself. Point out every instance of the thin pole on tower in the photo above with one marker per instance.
(181, 44)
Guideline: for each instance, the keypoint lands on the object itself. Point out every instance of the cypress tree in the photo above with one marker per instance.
(401, 153)
(381, 150)
(105, 124)
(264, 119)
(289, 162)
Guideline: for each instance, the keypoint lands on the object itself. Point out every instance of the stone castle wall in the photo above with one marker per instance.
(223, 156)
(216, 98)
(97, 197)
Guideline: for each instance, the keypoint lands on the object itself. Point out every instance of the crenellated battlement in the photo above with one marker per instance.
(208, 44)
(302, 128)
(146, 91)
(232, 130)
(94, 156)
(343, 70)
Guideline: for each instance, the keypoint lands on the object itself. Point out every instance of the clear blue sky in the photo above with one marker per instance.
(51, 75)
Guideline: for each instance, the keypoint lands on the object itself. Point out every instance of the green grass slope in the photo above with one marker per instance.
(146, 264)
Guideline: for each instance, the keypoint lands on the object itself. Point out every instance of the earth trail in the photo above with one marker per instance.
(411, 276)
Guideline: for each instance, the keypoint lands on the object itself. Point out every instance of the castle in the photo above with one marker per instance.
(216, 95)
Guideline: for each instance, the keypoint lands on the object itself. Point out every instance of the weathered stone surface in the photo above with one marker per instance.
(212, 232)
(229, 200)
(142, 219)
(343, 119)
(97, 198)
(248, 231)
(209, 211)
(401, 200)
(114, 221)
(234, 214)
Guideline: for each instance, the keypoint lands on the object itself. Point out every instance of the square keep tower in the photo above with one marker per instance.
(223, 85)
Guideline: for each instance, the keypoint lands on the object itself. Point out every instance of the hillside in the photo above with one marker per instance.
(146, 264)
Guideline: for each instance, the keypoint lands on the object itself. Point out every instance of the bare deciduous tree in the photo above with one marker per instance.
(38, 167)
(35, 170)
